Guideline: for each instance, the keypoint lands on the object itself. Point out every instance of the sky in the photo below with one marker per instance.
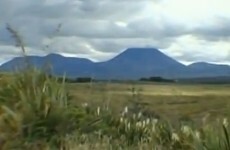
(187, 30)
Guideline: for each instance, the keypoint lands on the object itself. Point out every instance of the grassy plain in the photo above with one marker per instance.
(171, 101)
(40, 113)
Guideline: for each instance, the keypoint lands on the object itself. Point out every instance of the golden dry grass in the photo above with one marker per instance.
(170, 100)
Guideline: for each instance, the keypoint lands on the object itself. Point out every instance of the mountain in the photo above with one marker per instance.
(132, 63)
(204, 69)
(139, 62)
(70, 66)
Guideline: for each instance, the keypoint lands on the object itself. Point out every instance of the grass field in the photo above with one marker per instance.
(171, 101)
(38, 112)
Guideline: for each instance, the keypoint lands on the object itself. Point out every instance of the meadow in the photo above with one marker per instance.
(170, 100)
(43, 113)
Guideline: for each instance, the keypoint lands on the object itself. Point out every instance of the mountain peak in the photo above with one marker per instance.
(142, 48)
(144, 56)
(142, 51)
(53, 55)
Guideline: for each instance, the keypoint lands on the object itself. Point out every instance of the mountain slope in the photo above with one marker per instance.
(61, 65)
(133, 63)
(204, 69)
(139, 62)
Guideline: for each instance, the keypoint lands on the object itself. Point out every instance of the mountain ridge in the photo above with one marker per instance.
(133, 63)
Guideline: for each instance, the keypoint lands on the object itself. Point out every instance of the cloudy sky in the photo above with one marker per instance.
(187, 30)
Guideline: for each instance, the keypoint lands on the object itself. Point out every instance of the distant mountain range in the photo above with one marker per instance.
(133, 63)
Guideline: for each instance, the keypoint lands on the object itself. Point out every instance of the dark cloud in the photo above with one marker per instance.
(100, 29)
(218, 30)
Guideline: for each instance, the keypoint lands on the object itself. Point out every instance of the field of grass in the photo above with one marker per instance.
(38, 112)
(172, 101)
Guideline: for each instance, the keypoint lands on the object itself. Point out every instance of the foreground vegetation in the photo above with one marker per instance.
(38, 112)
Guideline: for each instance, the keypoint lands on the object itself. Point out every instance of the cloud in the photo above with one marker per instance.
(196, 49)
(186, 30)
(216, 31)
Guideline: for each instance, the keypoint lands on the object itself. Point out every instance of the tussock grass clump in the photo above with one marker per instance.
(33, 106)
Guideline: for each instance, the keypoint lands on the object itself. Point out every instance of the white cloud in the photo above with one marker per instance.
(195, 11)
(196, 30)
(189, 48)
